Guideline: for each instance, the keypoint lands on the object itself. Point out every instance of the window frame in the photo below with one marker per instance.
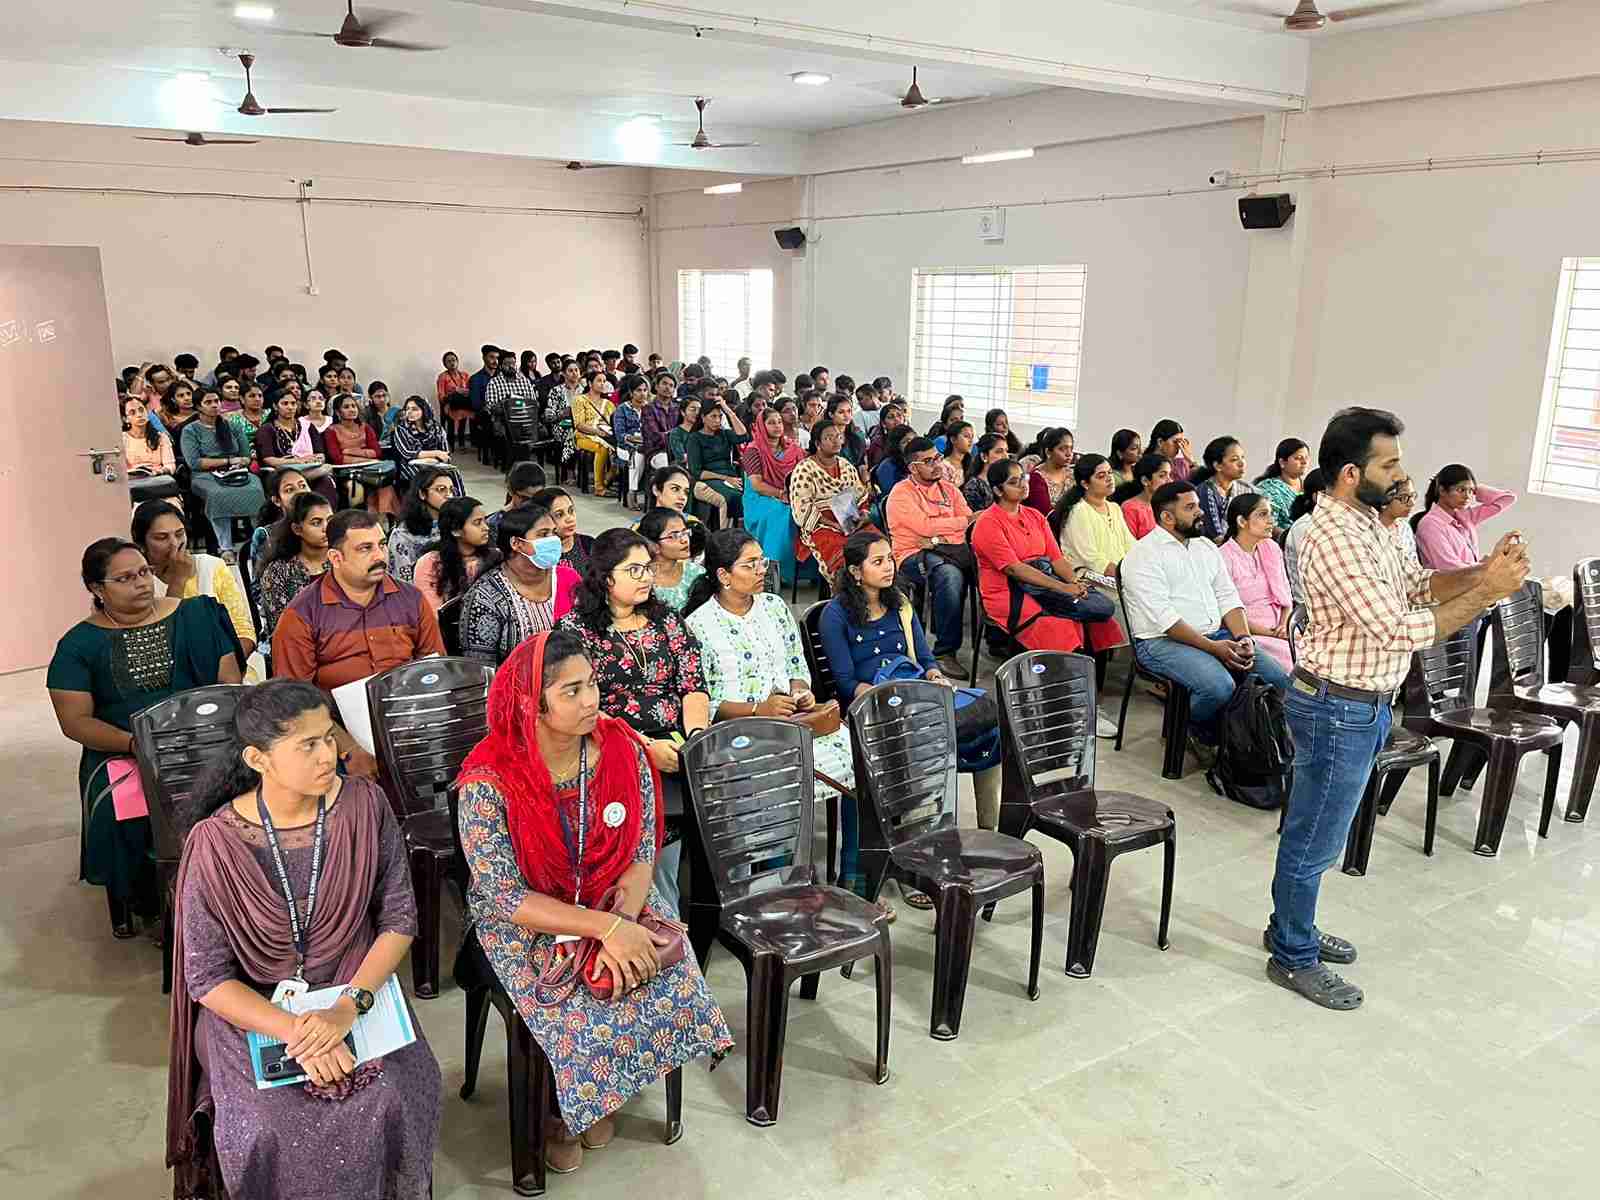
(1545, 460)
(695, 341)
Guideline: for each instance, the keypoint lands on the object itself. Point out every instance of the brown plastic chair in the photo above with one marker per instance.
(1438, 704)
(904, 738)
(426, 716)
(1584, 666)
(1517, 681)
(1047, 723)
(751, 788)
(175, 740)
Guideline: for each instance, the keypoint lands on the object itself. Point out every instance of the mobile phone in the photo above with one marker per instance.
(277, 1066)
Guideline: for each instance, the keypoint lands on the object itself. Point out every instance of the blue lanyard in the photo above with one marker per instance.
(296, 929)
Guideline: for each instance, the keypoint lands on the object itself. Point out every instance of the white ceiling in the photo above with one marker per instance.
(1233, 12)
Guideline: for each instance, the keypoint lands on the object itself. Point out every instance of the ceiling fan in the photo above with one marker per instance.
(1306, 18)
(358, 34)
(251, 107)
(701, 141)
(199, 139)
(914, 99)
(575, 165)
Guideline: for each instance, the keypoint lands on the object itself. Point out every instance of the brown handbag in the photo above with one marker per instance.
(579, 961)
(821, 719)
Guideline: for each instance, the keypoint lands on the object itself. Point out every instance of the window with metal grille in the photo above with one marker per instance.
(1566, 454)
(726, 316)
(999, 337)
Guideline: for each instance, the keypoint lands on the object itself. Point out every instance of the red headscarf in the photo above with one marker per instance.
(773, 466)
(509, 758)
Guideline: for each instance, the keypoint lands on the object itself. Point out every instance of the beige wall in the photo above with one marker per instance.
(396, 286)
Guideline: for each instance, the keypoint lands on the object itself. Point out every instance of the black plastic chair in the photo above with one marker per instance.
(1584, 664)
(175, 740)
(751, 785)
(1438, 704)
(251, 589)
(818, 576)
(1517, 681)
(824, 688)
(426, 716)
(1174, 710)
(1047, 729)
(904, 737)
(450, 625)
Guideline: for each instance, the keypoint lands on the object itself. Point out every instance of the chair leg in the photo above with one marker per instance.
(1090, 870)
(1500, 782)
(674, 1105)
(428, 884)
(1358, 842)
(1127, 695)
(1453, 767)
(832, 806)
(768, 1010)
(1169, 863)
(528, 1088)
(1432, 819)
(1585, 769)
(884, 981)
(1036, 941)
(955, 928)
(874, 870)
(703, 922)
(808, 985)
(1177, 732)
(167, 929)
(1552, 777)
(477, 1023)
(1392, 783)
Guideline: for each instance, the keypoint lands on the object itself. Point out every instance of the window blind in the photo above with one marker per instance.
(1000, 337)
(1566, 453)
(726, 316)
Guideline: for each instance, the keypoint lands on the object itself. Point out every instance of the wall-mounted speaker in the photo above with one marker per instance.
(790, 239)
(1266, 212)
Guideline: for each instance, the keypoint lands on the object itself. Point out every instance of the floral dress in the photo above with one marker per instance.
(643, 674)
(747, 658)
(406, 547)
(603, 1052)
(558, 420)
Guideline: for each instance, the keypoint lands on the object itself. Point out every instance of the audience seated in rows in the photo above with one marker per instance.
(1168, 439)
(1051, 476)
(991, 448)
(219, 468)
(713, 451)
(956, 460)
(1126, 450)
(768, 459)
(523, 480)
(928, 518)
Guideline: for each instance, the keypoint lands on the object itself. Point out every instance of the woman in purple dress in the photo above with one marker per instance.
(559, 806)
(277, 817)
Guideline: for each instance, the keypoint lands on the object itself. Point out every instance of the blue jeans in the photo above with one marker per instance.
(946, 582)
(1335, 742)
(1210, 683)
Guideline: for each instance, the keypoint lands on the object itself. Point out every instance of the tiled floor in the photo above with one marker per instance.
(1472, 1071)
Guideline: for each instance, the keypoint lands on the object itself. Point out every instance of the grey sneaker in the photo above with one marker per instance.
(1206, 755)
(1317, 984)
(1330, 949)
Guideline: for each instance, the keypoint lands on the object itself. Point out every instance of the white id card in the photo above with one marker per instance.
(288, 991)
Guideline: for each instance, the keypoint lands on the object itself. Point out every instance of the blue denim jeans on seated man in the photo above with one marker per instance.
(1210, 683)
(947, 584)
(1335, 742)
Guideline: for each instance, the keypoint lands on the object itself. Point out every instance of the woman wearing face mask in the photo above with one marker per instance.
(418, 526)
(575, 546)
(159, 531)
(527, 593)
(462, 552)
(296, 555)
(676, 572)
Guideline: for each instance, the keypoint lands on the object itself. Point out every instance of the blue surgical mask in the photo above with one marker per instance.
(546, 552)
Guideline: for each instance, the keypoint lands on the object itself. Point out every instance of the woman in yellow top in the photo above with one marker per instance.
(1090, 528)
(591, 420)
(160, 534)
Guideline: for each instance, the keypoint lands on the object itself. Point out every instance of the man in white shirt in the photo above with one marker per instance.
(742, 384)
(1188, 624)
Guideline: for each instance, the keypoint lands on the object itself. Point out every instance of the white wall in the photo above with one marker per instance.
(396, 286)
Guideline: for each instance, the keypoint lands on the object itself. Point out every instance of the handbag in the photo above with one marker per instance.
(579, 961)
(821, 719)
(1092, 606)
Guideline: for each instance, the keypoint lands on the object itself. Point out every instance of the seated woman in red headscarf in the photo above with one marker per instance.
(281, 823)
(558, 807)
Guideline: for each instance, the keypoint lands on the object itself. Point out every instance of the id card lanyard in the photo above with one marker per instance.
(574, 842)
(297, 928)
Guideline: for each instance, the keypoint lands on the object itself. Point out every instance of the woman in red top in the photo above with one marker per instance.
(351, 440)
(1005, 537)
(1149, 473)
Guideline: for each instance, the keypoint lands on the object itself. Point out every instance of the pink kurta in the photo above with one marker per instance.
(1263, 590)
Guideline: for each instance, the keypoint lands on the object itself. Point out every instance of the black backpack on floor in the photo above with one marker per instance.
(1255, 754)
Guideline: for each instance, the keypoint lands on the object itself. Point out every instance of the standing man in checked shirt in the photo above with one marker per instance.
(1370, 609)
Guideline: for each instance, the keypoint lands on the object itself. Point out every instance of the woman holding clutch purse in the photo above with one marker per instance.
(559, 806)
(280, 826)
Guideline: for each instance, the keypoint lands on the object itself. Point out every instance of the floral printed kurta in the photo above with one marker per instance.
(603, 1052)
(643, 675)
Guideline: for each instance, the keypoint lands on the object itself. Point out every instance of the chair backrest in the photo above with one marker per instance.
(426, 717)
(450, 625)
(1443, 677)
(1518, 640)
(823, 685)
(246, 567)
(1585, 664)
(751, 786)
(903, 735)
(522, 419)
(1047, 723)
(176, 739)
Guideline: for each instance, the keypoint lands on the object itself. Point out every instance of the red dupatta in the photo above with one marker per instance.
(509, 758)
(773, 466)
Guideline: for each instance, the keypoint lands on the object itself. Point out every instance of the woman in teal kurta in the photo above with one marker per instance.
(135, 651)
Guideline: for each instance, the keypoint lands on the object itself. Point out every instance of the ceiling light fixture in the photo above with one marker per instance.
(996, 156)
(253, 12)
(724, 189)
(810, 78)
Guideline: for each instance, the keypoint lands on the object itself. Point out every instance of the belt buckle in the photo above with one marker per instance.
(1302, 685)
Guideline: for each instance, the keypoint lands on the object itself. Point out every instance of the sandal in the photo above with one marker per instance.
(598, 1136)
(563, 1153)
(920, 901)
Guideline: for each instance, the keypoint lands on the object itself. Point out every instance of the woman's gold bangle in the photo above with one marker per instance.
(615, 925)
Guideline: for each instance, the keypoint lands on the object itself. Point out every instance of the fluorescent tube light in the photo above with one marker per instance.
(253, 12)
(725, 189)
(810, 78)
(996, 156)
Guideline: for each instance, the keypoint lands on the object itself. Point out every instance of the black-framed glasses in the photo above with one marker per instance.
(124, 580)
(638, 572)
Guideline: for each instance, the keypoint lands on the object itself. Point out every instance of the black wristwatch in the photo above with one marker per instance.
(361, 998)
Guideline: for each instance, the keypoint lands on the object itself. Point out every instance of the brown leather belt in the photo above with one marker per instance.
(1339, 691)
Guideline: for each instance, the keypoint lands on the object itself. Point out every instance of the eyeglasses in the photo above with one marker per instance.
(130, 577)
(758, 565)
(1403, 497)
(638, 572)
(931, 460)
(677, 535)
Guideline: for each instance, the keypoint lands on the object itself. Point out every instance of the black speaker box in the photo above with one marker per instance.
(1266, 212)
(790, 239)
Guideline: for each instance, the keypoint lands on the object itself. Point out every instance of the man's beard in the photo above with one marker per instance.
(1193, 530)
(1373, 496)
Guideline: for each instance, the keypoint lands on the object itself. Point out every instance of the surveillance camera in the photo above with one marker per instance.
(1220, 178)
